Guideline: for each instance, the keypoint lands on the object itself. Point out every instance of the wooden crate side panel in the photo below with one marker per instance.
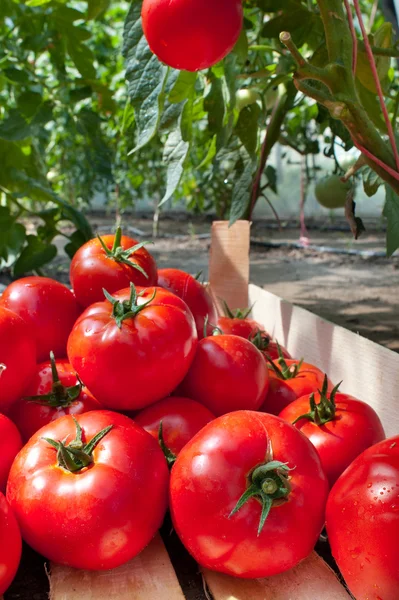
(368, 371)
(149, 576)
(229, 263)
(311, 580)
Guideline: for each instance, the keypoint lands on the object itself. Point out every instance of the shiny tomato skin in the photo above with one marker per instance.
(143, 361)
(10, 546)
(49, 310)
(30, 416)
(282, 392)
(102, 516)
(356, 427)
(209, 477)
(92, 270)
(10, 445)
(228, 373)
(272, 351)
(194, 294)
(17, 357)
(191, 35)
(242, 327)
(362, 519)
(181, 419)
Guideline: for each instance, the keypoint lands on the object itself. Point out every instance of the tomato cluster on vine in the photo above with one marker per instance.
(130, 394)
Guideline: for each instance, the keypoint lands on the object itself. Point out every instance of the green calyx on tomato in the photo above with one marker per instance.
(268, 483)
(324, 412)
(120, 255)
(129, 308)
(77, 455)
(284, 372)
(260, 340)
(239, 313)
(170, 457)
(60, 395)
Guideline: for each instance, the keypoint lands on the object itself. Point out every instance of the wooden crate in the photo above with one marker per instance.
(368, 371)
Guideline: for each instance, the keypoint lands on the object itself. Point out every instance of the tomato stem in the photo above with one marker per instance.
(169, 455)
(60, 395)
(239, 313)
(76, 456)
(120, 255)
(324, 412)
(127, 309)
(268, 483)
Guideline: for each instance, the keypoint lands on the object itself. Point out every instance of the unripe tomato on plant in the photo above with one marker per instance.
(10, 545)
(246, 97)
(174, 422)
(111, 262)
(89, 491)
(331, 192)
(289, 380)
(10, 445)
(134, 348)
(228, 373)
(339, 426)
(191, 34)
(49, 310)
(248, 495)
(362, 520)
(54, 391)
(194, 294)
(17, 357)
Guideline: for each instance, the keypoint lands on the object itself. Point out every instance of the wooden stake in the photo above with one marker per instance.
(311, 580)
(229, 263)
(149, 576)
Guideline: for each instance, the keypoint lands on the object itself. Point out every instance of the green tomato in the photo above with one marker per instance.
(246, 97)
(331, 192)
(271, 96)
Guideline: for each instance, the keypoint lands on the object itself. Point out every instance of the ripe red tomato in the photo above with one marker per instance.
(191, 35)
(17, 357)
(289, 380)
(133, 350)
(110, 262)
(228, 373)
(181, 419)
(54, 392)
(10, 546)
(10, 445)
(339, 426)
(362, 521)
(97, 484)
(194, 294)
(49, 309)
(248, 495)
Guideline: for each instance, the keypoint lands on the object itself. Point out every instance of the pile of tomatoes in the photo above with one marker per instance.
(129, 396)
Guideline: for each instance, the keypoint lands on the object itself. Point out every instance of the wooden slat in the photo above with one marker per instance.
(229, 263)
(311, 580)
(368, 371)
(150, 576)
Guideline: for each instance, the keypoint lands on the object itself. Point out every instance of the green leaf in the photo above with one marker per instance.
(210, 155)
(241, 196)
(11, 244)
(241, 47)
(33, 256)
(247, 127)
(28, 103)
(37, 2)
(174, 155)
(271, 175)
(214, 106)
(183, 87)
(372, 106)
(286, 21)
(96, 7)
(16, 75)
(371, 181)
(82, 57)
(15, 128)
(391, 212)
(146, 77)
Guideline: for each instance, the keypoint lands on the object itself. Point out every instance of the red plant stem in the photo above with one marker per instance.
(370, 57)
(354, 37)
(379, 162)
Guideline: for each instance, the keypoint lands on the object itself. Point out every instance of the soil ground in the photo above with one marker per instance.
(357, 292)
